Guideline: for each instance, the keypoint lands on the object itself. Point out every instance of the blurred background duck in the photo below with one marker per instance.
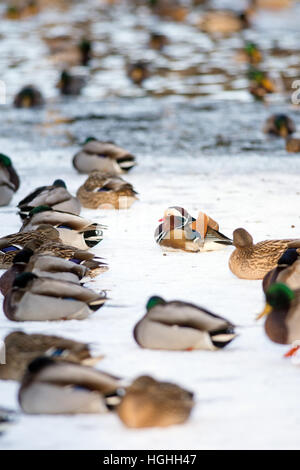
(55, 196)
(73, 229)
(9, 180)
(56, 387)
(150, 403)
(260, 83)
(280, 125)
(64, 52)
(292, 144)
(42, 265)
(138, 72)
(102, 156)
(287, 271)
(34, 298)
(170, 9)
(70, 84)
(29, 97)
(282, 310)
(224, 22)
(251, 54)
(157, 40)
(181, 326)
(18, 10)
(22, 348)
(7, 419)
(254, 261)
(106, 192)
(180, 231)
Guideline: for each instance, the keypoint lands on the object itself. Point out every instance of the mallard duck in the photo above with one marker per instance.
(254, 261)
(34, 298)
(43, 266)
(102, 156)
(22, 348)
(181, 326)
(106, 192)
(252, 52)
(7, 418)
(286, 271)
(73, 229)
(292, 145)
(150, 403)
(10, 245)
(157, 41)
(272, 4)
(138, 72)
(279, 125)
(17, 12)
(283, 314)
(260, 83)
(29, 97)
(9, 180)
(64, 52)
(223, 22)
(55, 196)
(70, 84)
(180, 231)
(93, 263)
(171, 9)
(56, 387)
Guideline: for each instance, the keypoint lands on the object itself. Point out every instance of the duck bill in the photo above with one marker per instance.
(267, 310)
(292, 351)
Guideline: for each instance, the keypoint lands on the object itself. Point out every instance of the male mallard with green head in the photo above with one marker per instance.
(280, 125)
(29, 97)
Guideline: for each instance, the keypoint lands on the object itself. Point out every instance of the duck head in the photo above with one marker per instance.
(5, 160)
(278, 297)
(154, 301)
(242, 239)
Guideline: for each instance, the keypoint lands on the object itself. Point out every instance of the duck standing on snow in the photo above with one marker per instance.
(254, 261)
(70, 84)
(283, 314)
(55, 196)
(180, 231)
(34, 298)
(181, 326)
(279, 125)
(106, 191)
(150, 403)
(22, 348)
(29, 97)
(102, 156)
(9, 180)
(56, 387)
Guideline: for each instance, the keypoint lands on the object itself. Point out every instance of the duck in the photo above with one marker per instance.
(272, 4)
(34, 298)
(251, 53)
(171, 9)
(55, 196)
(279, 125)
(260, 83)
(73, 229)
(102, 156)
(11, 244)
(178, 230)
(151, 403)
(292, 144)
(138, 72)
(66, 53)
(157, 41)
(223, 22)
(42, 265)
(56, 387)
(106, 192)
(22, 348)
(9, 180)
(287, 271)
(282, 312)
(181, 326)
(253, 261)
(70, 84)
(29, 97)
(15, 11)
(94, 264)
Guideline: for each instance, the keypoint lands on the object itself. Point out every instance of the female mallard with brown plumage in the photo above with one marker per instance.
(283, 314)
(22, 348)
(56, 387)
(180, 231)
(102, 156)
(280, 125)
(254, 261)
(55, 196)
(106, 192)
(34, 298)
(181, 326)
(73, 229)
(224, 22)
(286, 272)
(9, 180)
(150, 403)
